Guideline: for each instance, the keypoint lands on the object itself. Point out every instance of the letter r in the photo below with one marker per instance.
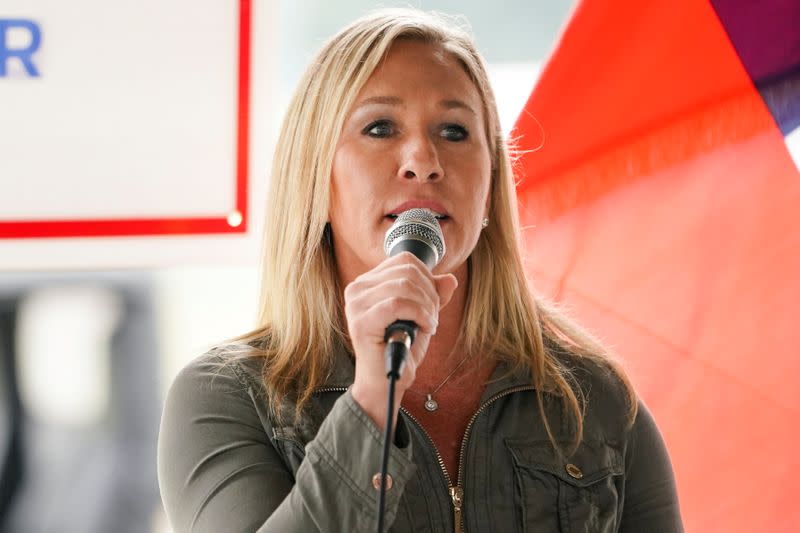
(24, 54)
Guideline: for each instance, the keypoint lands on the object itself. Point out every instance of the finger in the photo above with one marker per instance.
(398, 308)
(406, 268)
(415, 269)
(402, 287)
(446, 286)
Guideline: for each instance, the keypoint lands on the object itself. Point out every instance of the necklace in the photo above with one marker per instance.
(431, 404)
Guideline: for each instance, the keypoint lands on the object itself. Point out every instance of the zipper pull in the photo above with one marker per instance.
(457, 493)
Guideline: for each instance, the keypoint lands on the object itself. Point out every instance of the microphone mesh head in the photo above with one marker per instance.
(419, 224)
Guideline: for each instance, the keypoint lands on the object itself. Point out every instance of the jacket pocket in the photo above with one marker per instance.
(574, 495)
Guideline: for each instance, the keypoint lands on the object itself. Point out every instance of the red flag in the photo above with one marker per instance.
(662, 209)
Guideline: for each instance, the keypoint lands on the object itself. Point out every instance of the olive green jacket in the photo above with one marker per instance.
(225, 465)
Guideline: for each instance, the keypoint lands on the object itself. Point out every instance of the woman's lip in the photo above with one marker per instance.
(392, 218)
(423, 204)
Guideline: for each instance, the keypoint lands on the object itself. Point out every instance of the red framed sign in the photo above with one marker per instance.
(161, 119)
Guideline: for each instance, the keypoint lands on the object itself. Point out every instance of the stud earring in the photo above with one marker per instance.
(485, 222)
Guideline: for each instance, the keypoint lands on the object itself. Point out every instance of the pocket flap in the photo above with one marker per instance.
(591, 462)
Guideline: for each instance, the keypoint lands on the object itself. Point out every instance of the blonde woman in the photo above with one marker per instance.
(509, 417)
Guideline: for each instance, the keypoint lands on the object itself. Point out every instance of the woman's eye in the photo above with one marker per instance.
(454, 132)
(380, 128)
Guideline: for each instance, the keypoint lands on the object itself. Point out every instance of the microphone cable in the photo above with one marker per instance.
(417, 231)
(398, 344)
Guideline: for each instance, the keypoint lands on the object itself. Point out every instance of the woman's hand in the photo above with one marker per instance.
(400, 288)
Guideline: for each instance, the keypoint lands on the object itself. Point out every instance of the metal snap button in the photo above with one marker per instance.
(574, 471)
(376, 481)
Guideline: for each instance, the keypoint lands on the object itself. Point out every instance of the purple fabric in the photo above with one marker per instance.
(766, 35)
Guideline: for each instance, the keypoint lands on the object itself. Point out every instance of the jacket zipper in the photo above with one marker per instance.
(456, 491)
(331, 389)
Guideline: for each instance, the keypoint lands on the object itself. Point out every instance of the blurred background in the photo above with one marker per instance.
(658, 184)
(124, 112)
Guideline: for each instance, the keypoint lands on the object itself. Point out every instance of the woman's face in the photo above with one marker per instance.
(413, 138)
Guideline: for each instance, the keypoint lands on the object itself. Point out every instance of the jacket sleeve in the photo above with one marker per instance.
(218, 469)
(651, 499)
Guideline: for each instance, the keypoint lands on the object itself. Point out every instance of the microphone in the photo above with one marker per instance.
(417, 231)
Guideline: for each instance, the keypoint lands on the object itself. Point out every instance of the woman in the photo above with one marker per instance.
(512, 418)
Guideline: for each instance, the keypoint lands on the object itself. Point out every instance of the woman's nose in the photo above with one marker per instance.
(420, 160)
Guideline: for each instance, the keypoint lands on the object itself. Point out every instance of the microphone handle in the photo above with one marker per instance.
(401, 333)
(422, 250)
(398, 337)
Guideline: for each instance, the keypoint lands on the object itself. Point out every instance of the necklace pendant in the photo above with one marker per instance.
(430, 404)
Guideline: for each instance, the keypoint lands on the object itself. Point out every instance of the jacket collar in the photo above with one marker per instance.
(343, 371)
(502, 379)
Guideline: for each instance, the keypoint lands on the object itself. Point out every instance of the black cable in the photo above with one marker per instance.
(395, 352)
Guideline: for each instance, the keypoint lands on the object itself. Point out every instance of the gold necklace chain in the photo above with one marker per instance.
(431, 404)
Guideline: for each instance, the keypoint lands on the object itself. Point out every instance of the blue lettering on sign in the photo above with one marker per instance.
(23, 54)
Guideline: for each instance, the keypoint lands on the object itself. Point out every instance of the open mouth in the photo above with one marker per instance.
(439, 217)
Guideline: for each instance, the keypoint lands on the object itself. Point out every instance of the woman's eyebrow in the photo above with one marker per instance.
(385, 100)
(456, 104)
(452, 103)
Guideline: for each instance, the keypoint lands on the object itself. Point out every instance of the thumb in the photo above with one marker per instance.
(446, 285)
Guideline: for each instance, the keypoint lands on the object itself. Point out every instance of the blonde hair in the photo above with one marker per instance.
(300, 320)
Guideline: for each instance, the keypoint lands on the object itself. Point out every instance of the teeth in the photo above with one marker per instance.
(435, 214)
